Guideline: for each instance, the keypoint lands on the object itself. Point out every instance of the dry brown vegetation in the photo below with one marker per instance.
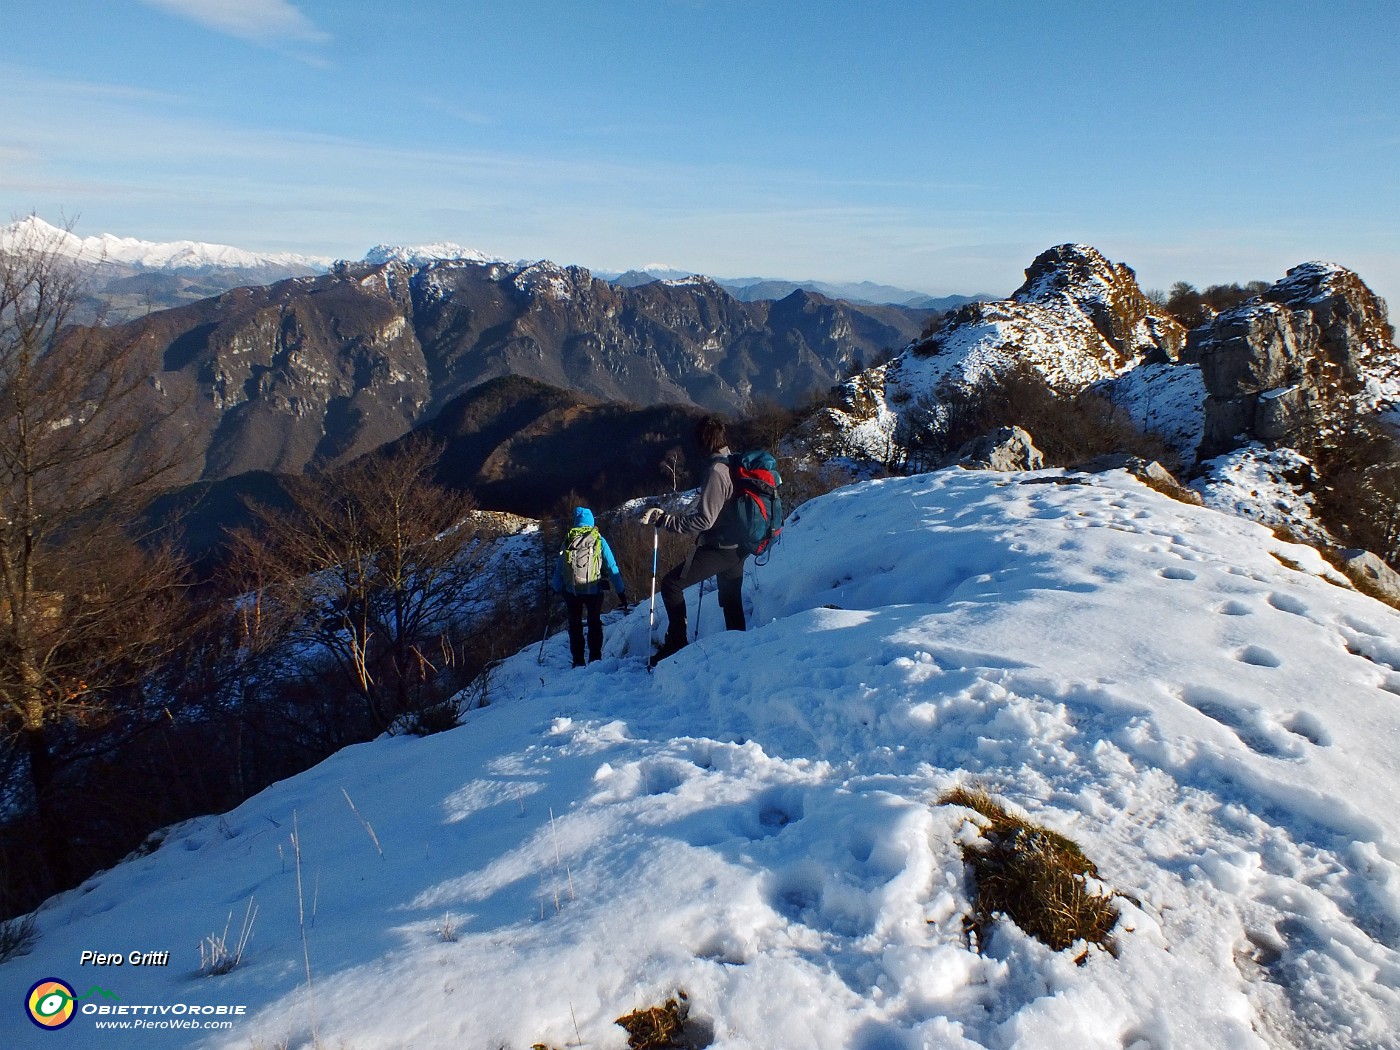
(1069, 427)
(1037, 878)
(657, 1027)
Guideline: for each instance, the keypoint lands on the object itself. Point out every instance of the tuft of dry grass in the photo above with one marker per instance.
(657, 1027)
(1034, 876)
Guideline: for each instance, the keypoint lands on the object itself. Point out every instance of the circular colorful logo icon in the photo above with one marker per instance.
(50, 1003)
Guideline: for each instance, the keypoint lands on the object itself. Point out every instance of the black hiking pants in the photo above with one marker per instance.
(578, 604)
(726, 563)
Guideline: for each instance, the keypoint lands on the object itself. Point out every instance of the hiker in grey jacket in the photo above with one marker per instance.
(711, 556)
(582, 585)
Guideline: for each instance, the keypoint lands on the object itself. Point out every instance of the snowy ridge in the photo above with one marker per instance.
(1057, 339)
(757, 823)
(551, 280)
(426, 254)
(1078, 320)
(172, 255)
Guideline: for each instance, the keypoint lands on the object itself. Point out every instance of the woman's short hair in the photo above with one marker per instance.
(711, 435)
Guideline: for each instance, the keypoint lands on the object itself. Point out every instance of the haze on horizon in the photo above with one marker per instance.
(932, 146)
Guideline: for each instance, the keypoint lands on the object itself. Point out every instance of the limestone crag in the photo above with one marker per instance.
(1316, 343)
(1108, 295)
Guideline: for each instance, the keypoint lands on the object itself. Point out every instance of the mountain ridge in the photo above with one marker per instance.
(316, 370)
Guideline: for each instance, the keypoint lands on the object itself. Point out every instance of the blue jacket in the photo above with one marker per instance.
(583, 519)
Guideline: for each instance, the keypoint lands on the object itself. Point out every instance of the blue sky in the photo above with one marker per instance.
(933, 145)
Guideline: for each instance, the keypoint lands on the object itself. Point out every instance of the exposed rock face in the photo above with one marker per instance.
(1108, 295)
(1273, 367)
(1371, 575)
(319, 370)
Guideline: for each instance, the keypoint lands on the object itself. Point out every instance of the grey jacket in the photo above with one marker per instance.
(700, 517)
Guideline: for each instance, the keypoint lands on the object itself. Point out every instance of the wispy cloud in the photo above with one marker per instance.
(266, 22)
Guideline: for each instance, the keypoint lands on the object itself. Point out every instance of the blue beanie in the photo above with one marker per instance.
(583, 518)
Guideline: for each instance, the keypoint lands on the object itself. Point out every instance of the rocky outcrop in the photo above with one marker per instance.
(1317, 343)
(1148, 471)
(1371, 575)
(1006, 448)
(1078, 320)
(1107, 293)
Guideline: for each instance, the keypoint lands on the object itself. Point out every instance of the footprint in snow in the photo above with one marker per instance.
(1233, 608)
(1287, 603)
(1250, 725)
(1258, 656)
(1174, 572)
(771, 812)
(1309, 727)
(1362, 627)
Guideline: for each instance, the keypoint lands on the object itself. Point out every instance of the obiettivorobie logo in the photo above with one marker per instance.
(53, 1003)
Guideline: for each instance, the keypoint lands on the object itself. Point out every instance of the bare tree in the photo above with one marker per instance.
(673, 466)
(84, 612)
(371, 573)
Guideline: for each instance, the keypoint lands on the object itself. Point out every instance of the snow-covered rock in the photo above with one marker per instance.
(1270, 486)
(1006, 448)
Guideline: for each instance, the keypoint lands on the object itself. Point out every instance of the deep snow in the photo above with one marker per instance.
(1204, 708)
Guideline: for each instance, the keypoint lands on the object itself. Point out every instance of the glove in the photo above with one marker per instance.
(653, 516)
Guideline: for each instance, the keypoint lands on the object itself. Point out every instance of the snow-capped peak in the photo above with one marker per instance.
(423, 254)
(153, 255)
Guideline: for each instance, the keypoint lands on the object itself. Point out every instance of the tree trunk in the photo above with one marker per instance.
(52, 821)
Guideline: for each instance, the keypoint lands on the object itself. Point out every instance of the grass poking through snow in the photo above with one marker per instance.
(1037, 878)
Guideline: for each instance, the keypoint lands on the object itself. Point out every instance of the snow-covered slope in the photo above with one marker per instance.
(758, 823)
(171, 255)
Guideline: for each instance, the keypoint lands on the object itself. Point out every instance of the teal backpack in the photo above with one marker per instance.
(753, 519)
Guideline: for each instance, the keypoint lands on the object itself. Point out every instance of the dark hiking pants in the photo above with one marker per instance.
(727, 563)
(578, 604)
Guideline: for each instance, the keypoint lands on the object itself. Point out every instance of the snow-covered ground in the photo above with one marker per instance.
(758, 823)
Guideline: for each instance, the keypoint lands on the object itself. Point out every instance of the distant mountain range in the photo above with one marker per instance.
(752, 289)
(317, 370)
(134, 277)
(131, 278)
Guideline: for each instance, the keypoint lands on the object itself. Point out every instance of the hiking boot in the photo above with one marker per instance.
(668, 648)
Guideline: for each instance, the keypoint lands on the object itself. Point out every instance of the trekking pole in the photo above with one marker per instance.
(548, 612)
(699, 606)
(655, 549)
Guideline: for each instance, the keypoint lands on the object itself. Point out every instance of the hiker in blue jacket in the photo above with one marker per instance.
(714, 554)
(578, 576)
